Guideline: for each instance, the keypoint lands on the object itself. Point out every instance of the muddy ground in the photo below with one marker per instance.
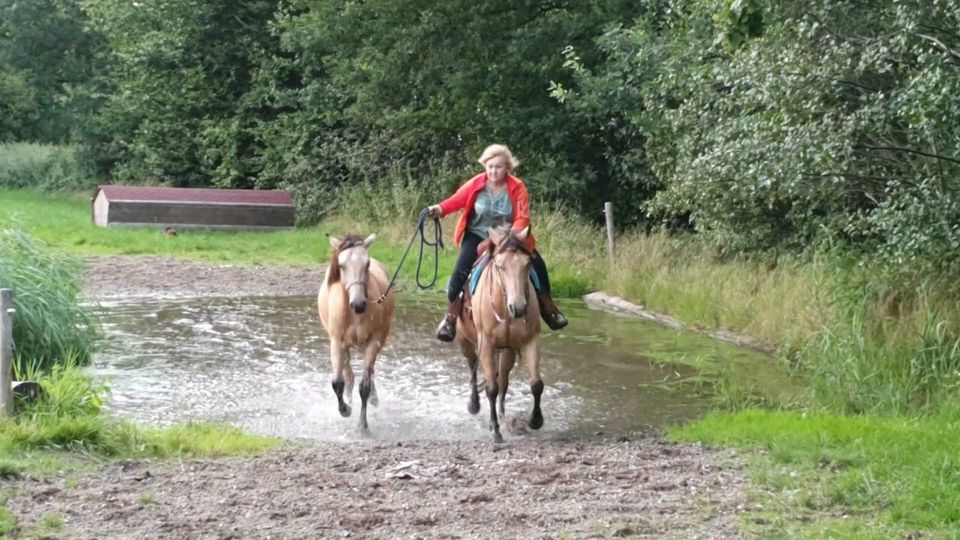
(608, 486)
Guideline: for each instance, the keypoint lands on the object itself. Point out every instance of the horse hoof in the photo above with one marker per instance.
(536, 421)
(345, 410)
(474, 406)
(497, 438)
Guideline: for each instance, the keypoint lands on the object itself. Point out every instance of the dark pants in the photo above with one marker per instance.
(468, 255)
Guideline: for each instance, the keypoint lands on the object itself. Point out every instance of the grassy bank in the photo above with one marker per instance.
(66, 432)
(821, 475)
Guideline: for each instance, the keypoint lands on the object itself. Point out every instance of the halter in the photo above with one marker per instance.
(361, 283)
(350, 245)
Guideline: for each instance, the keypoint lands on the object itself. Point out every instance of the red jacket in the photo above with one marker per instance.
(466, 196)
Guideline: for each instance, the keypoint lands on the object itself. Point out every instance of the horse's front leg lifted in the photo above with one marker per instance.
(339, 355)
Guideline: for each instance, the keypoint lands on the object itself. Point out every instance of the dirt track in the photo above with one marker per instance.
(609, 486)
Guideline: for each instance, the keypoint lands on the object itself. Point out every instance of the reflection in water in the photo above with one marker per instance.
(263, 364)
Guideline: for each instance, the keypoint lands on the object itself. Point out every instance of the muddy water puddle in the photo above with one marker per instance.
(263, 364)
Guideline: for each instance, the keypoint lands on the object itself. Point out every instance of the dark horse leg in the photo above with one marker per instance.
(488, 356)
(471, 355)
(366, 384)
(507, 359)
(340, 357)
(531, 355)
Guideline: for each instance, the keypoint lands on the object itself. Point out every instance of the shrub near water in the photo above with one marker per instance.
(49, 323)
(47, 168)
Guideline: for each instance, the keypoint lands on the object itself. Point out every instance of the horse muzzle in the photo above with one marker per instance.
(359, 306)
(517, 311)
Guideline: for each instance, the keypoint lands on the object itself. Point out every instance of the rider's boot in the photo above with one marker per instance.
(448, 326)
(549, 312)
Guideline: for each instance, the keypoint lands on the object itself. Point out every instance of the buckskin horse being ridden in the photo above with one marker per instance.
(506, 320)
(352, 319)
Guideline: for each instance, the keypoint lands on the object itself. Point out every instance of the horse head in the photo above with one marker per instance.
(350, 264)
(511, 263)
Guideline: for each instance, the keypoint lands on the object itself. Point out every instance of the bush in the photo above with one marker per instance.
(45, 167)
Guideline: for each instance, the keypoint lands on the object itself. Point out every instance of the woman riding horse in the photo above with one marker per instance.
(489, 199)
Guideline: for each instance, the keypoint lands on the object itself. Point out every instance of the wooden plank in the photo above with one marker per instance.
(6, 352)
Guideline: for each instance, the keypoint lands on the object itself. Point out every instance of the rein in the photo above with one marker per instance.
(437, 245)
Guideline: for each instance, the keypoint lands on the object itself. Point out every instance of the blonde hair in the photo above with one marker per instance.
(495, 150)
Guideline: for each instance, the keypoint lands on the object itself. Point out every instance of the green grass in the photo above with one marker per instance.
(68, 422)
(64, 223)
(820, 475)
(7, 520)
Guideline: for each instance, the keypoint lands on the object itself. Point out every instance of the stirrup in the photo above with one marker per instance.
(446, 331)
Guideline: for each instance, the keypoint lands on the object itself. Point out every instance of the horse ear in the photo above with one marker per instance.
(369, 240)
(522, 235)
(495, 234)
(335, 242)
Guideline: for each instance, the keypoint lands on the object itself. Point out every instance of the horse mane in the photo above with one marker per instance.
(333, 269)
(511, 242)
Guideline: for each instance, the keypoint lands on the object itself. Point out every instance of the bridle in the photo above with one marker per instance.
(503, 288)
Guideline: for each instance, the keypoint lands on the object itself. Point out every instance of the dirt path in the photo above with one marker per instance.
(599, 488)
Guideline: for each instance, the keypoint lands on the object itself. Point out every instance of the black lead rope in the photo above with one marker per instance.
(437, 245)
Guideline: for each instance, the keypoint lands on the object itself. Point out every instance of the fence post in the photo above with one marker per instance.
(6, 352)
(608, 212)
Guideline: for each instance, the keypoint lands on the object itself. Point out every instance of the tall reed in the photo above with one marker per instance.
(888, 350)
(49, 324)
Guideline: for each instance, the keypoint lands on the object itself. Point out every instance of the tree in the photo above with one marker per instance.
(46, 46)
(430, 81)
(825, 121)
(174, 111)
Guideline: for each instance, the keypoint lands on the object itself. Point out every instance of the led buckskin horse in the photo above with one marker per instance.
(503, 317)
(352, 319)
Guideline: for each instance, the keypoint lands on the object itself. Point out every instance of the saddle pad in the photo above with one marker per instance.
(478, 269)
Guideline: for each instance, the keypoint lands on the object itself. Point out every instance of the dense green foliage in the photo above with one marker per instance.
(50, 324)
(832, 122)
(48, 58)
(45, 167)
(763, 125)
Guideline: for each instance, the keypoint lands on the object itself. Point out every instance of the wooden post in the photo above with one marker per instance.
(608, 212)
(6, 352)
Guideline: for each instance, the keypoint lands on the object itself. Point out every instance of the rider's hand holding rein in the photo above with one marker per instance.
(489, 199)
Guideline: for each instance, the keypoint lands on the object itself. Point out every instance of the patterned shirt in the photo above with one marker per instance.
(490, 211)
